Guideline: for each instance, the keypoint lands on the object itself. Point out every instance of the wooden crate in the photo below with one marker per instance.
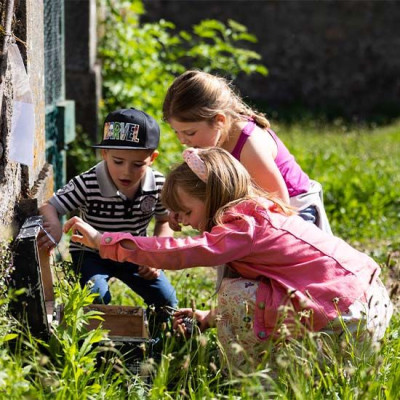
(121, 321)
(127, 325)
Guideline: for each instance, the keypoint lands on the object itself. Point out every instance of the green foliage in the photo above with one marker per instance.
(6, 267)
(140, 61)
(69, 366)
(358, 169)
(81, 156)
(74, 349)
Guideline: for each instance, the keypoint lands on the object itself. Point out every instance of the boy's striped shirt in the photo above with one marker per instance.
(105, 208)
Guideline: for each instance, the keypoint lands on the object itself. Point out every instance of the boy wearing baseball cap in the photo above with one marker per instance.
(121, 193)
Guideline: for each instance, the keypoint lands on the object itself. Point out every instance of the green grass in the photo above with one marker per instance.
(359, 170)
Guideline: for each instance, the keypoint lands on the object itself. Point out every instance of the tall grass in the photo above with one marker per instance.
(359, 171)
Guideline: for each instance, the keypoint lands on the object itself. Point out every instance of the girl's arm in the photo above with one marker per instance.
(258, 157)
(222, 245)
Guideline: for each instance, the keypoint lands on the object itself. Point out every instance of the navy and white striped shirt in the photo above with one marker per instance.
(105, 208)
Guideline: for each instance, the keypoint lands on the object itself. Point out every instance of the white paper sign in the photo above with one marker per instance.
(23, 117)
(22, 132)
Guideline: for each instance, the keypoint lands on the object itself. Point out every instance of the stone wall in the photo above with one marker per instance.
(339, 56)
(23, 188)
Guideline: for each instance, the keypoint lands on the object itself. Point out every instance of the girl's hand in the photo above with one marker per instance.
(202, 318)
(83, 233)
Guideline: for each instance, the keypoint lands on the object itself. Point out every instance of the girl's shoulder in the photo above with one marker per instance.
(250, 207)
(260, 144)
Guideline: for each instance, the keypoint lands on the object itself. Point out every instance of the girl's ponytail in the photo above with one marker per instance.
(200, 96)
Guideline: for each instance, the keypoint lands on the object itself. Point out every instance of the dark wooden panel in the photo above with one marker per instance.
(29, 307)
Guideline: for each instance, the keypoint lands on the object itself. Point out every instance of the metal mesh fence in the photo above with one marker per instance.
(54, 84)
(54, 149)
(54, 50)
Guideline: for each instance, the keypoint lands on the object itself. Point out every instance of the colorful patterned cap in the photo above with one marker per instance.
(129, 128)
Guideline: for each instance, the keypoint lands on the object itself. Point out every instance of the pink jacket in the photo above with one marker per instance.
(294, 260)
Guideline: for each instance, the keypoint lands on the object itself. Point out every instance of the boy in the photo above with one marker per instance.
(121, 193)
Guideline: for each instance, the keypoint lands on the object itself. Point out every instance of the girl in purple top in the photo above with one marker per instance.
(204, 111)
(287, 269)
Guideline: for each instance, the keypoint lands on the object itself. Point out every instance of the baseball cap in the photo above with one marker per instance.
(129, 129)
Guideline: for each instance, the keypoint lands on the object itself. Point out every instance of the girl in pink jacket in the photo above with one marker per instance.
(278, 258)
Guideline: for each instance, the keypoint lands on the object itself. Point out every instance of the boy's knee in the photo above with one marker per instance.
(98, 285)
(173, 302)
(169, 300)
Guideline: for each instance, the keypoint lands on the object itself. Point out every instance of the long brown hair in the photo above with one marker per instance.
(199, 96)
(228, 184)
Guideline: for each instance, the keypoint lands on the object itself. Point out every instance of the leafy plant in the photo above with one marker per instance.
(140, 60)
(81, 156)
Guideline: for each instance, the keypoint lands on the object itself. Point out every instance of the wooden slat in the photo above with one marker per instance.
(123, 321)
(30, 306)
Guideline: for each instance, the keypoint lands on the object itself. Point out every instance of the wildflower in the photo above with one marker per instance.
(237, 348)
(303, 303)
(147, 367)
(304, 314)
(43, 360)
(213, 367)
(186, 362)
(169, 356)
(284, 330)
(349, 371)
(142, 347)
(376, 346)
(203, 340)
(306, 372)
(90, 283)
(282, 361)
(218, 318)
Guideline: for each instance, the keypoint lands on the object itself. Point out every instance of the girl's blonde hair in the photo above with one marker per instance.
(199, 96)
(228, 184)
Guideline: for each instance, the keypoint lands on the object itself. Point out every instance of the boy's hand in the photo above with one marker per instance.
(49, 238)
(148, 272)
(174, 221)
(51, 233)
(83, 233)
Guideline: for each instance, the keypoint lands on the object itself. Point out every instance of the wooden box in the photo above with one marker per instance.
(121, 321)
(127, 325)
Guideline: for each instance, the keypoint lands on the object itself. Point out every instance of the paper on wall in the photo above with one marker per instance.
(23, 118)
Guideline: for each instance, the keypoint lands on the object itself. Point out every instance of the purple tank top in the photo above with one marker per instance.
(297, 181)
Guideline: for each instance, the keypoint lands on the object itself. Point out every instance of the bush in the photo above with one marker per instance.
(140, 61)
